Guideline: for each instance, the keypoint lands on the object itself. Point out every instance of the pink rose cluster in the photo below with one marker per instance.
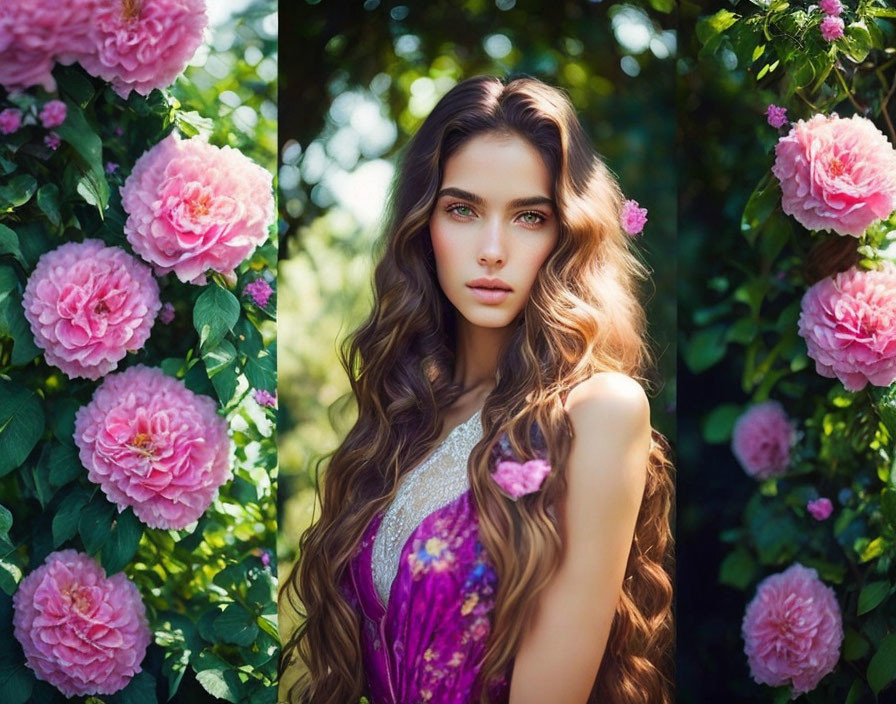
(792, 630)
(849, 324)
(89, 305)
(154, 445)
(135, 44)
(831, 26)
(81, 631)
(762, 439)
(193, 207)
(836, 174)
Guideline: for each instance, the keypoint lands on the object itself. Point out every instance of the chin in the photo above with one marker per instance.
(495, 318)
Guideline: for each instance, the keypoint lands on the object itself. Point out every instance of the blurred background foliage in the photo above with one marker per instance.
(356, 80)
(745, 266)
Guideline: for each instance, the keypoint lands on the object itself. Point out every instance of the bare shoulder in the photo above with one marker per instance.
(608, 397)
(610, 417)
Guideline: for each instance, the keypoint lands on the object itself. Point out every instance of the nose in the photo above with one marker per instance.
(493, 245)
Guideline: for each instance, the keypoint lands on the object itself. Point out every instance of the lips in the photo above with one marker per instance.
(489, 291)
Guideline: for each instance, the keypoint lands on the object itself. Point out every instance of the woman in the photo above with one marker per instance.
(495, 525)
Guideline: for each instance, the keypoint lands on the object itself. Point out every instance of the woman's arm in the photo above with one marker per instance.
(561, 651)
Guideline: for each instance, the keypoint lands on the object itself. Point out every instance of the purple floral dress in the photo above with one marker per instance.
(424, 588)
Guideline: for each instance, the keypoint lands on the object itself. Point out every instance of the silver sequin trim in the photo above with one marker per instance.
(434, 483)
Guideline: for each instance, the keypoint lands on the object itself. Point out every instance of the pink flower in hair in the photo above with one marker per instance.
(520, 478)
(792, 630)
(633, 217)
(81, 631)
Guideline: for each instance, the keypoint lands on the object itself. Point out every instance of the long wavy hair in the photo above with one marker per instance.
(582, 317)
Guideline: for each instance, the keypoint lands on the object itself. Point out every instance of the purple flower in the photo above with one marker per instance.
(520, 478)
(831, 7)
(633, 217)
(265, 558)
(53, 141)
(111, 167)
(259, 291)
(263, 397)
(820, 508)
(831, 28)
(777, 116)
(166, 315)
(10, 120)
(53, 114)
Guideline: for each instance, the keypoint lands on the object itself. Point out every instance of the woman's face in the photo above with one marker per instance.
(493, 226)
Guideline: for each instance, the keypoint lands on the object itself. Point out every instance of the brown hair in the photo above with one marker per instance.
(583, 317)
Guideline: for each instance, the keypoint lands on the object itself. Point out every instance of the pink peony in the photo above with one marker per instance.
(777, 116)
(792, 630)
(143, 44)
(152, 444)
(836, 174)
(193, 207)
(53, 114)
(831, 28)
(89, 305)
(10, 120)
(820, 509)
(633, 217)
(762, 439)
(831, 7)
(36, 33)
(259, 291)
(519, 478)
(849, 324)
(81, 631)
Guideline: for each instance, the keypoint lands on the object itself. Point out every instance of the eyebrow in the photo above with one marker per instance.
(477, 200)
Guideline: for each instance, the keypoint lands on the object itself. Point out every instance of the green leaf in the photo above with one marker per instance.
(48, 202)
(888, 505)
(77, 132)
(21, 424)
(858, 41)
(9, 244)
(212, 673)
(65, 465)
(17, 192)
(96, 523)
(855, 646)
(738, 569)
(14, 325)
(10, 573)
(214, 315)
(16, 683)
(717, 426)
(705, 348)
(714, 25)
(236, 625)
(220, 365)
(5, 520)
(65, 522)
(140, 690)
(855, 692)
(62, 421)
(882, 668)
(261, 371)
(759, 207)
(872, 595)
(123, 541)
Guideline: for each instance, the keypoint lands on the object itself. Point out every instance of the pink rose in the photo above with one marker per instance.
(831, 28)
(53, 114)
(792, 630)
(820, 508)
(34, 34)
(762, 440)
(849, 324)
(831, 7)
(145, 44)
(633, 217)
(836, 174)
(519, 478)
(10, 120)
(81, 631)
(89, 305)
(154, 445)
(193, 207)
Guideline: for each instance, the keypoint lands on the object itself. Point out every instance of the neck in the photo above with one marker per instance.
(478, 351)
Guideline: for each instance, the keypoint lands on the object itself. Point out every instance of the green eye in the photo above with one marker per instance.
(532, 218)
(462, 210)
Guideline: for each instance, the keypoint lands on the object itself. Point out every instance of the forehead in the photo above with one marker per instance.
(498, 166)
